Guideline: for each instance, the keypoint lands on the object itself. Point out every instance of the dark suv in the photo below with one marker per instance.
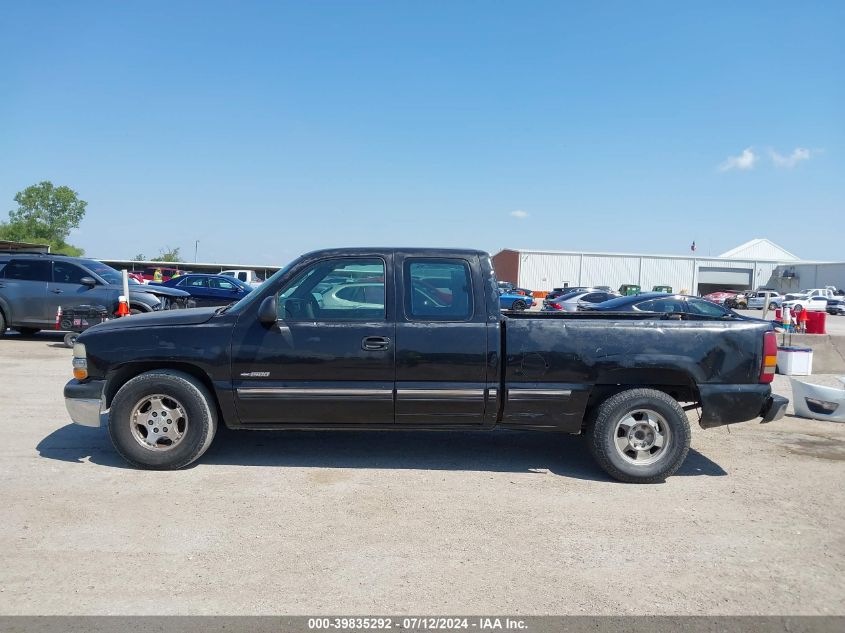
(34, 285)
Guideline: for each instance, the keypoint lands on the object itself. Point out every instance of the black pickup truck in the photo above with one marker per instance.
(414, 339)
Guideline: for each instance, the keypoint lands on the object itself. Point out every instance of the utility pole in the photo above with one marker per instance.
(196, 246)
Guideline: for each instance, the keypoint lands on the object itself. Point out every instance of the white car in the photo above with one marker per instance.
(350, 296)
(757, 300)
(814, 304)
(245, 275)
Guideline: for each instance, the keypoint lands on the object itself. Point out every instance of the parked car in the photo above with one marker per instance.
(160, 273)
(575, 301)
(666, 289)
(136, 277)
(278, 360)
(509, 288)
(817, 303)
(835, 306)
(559, 292)
(33, 287)
(763, 298)
(729, 298)
(682, 305)
(510, 301)
(629, 289)
(208, 290)
(245, 275)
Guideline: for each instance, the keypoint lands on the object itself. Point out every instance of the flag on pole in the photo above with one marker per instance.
(692, 246)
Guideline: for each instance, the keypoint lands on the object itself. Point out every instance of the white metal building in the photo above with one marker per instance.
(750, 265)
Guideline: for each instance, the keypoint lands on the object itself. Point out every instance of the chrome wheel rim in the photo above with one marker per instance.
(642, 437)
(158, 422)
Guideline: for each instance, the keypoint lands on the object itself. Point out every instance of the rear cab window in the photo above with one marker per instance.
(438, 289)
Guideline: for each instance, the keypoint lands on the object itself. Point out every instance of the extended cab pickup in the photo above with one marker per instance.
(415, 339)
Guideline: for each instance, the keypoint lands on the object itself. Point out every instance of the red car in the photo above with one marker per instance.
(727, 298)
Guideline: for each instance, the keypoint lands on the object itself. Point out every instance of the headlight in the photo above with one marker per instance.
(80, 361)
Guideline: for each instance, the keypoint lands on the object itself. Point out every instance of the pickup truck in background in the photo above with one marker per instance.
(426, 348)
(245, 275)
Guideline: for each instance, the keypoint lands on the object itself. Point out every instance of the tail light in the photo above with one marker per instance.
(770, 357)
(557, 306)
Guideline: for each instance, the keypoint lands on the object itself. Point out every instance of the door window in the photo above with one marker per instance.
(348, 289)
(699, 306)
(221, 284)
(27, 270)
(438, 290)
(662, 305)
(67, 273)
(194, 282)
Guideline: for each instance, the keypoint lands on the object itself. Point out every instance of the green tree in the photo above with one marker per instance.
(45, 215)
(168, 254)
(139, 258)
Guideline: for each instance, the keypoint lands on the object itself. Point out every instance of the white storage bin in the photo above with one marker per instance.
(795, 361)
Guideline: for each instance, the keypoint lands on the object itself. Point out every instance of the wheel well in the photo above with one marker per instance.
(143, 307)
(128, 372)
(675, 383)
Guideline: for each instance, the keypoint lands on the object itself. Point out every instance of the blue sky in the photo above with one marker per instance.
(266, 129)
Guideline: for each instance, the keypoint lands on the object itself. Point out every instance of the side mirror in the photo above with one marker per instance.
(267, 312)
(88, 281)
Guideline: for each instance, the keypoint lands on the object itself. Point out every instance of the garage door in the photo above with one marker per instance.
(725, 276)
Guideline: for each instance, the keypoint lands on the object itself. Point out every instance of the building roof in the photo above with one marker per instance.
(759, 248)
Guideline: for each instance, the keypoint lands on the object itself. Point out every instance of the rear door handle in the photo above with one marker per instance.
(375, 343)
(56, 291)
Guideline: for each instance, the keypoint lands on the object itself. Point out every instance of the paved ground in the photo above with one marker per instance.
(363, 523)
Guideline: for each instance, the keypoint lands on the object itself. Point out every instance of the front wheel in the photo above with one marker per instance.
(162, 420)
(639, 436)
(773, 306)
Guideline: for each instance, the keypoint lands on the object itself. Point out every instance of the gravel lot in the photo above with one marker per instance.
(362, 523)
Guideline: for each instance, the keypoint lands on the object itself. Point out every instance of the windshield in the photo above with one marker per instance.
(109, 274)
(252, 296)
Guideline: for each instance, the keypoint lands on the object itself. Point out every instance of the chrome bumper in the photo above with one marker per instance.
(84, 411)
(84, 402)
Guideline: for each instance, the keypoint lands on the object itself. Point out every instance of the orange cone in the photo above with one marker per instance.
(122, 306)
(58, 316)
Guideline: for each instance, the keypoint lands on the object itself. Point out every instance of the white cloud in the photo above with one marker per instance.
(519, 214)
(743, 162)
(790, 160)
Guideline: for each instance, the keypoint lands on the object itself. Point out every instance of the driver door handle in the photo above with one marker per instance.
(56, 291)
(375, 343)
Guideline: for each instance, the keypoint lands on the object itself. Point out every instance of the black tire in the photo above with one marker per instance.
(518, 305)
(602, 435)
(28, 331)
(773, 306)
(70, 339)
(2, 324)
(190, 393)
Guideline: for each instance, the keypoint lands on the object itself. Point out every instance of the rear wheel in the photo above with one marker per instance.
(70, 338)
(639, 436)
(773, 306)
(2, 323)
(162, 420)
(519, 305)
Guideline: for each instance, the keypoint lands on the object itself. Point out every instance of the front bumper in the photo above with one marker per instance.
(84, 401)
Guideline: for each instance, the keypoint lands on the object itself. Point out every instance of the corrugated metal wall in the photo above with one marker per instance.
(660, 271)
(609, 270)
(544, 271)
